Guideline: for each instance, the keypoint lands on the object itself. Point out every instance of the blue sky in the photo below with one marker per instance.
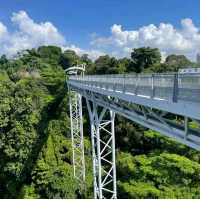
(78, 20)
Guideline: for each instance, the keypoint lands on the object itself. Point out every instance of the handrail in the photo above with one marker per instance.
(172, 87)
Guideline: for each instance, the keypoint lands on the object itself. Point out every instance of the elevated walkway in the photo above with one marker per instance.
(163, 102)
(178, 94)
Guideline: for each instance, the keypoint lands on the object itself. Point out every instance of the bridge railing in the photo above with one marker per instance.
(170, 87)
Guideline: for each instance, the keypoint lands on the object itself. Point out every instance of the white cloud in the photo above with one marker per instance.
(166, 37)
(28, 34)
(45, 33)
(3, 31)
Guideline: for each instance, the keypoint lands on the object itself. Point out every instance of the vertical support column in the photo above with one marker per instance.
(94, 154)
(103, 144)
(75, 102)
(152, 87)
(112, 115)
(175, 89)
(186, 124)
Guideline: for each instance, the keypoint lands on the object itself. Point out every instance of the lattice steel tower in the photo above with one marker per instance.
(75, 103)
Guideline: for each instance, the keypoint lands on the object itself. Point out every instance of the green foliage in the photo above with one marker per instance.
(125, 65)
(53, 175)
(129, 135)
(138, 190)
(177, 61)
(50, 53)
(154, 140)
(158, 175)
(28, 192)
(35, 143)
(107, 65)
(172, 64)
(145, 57)
(3, 60)
(69, 58)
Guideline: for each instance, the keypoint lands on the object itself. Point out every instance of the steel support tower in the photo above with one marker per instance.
(77, 136)
(103, 151)
(75, 104)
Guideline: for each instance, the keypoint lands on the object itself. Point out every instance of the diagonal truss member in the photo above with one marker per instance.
(103, 151)
(75, 102)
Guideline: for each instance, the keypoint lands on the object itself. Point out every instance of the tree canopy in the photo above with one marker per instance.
(145, 57)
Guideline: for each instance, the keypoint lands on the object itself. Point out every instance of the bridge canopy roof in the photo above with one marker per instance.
(75, 69)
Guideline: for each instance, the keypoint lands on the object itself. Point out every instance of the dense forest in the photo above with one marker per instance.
(35, 144)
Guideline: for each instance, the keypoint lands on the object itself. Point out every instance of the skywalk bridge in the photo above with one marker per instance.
(145, 99)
